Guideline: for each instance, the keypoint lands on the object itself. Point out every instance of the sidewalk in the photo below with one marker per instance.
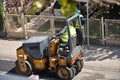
(103, 58)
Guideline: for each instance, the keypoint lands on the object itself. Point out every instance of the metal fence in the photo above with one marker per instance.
(112, 32)
(95, 32)
(105, 32)
(95, 28)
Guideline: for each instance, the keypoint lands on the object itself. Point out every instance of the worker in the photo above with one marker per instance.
(64, 33)
(79, 29)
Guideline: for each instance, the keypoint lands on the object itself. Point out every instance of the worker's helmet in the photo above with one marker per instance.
(77, 11)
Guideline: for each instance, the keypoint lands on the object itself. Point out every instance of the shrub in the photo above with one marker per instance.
(1, 20)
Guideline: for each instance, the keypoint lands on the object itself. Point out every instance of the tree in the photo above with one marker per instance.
(1, 20)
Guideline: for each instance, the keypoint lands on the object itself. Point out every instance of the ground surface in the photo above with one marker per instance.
(101, 63)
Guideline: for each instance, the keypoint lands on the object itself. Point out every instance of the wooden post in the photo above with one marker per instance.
(103, 34)
(24, 26)
(88, 41)
(4, 22)
(23, 23)
(106, 30)
(52, 26)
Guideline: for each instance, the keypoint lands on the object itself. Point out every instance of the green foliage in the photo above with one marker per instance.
(114, 31)
(95, 28)
(1, 20)
(31, 11)
(1, 8)
(37, 6)
(68, 8)
(103, 10)
(94, 32)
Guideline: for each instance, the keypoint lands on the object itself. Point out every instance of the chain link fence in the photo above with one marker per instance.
(95, 28)
(112, 32)
(95, 33)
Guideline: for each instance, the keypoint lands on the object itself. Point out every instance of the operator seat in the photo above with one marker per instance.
(64, 47)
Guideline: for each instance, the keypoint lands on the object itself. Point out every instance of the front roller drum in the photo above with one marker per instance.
(28, 71)
(79, 65)
(65, 73)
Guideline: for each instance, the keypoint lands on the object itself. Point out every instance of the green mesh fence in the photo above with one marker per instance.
(113, 28)
(95, 27)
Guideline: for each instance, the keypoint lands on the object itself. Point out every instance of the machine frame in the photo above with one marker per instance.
(66, 66)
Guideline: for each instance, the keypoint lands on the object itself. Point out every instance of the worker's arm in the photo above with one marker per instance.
(61, 32)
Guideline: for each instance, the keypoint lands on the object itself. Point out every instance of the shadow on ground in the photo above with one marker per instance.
(101, 53)
(9, 68)
(47, 75)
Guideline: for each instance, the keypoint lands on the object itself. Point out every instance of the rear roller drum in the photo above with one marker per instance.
(74, 70)
(78, 66)
(65, 73)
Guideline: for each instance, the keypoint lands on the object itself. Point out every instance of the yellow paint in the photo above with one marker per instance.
(53, 47)
(20, 52)
(79, 55)
(39, 64)
(62, 61)
(21, 57)
(53, 63)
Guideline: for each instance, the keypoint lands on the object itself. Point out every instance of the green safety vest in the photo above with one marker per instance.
(65, 35)
(77, 25)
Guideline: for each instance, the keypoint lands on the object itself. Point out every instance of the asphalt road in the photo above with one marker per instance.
(7, 67)
(8, 49)
(8, 58)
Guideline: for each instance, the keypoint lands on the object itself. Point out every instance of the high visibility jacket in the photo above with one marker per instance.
(65, 35)
(77, 25)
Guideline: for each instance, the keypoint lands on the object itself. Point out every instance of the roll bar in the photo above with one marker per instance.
(67, 24)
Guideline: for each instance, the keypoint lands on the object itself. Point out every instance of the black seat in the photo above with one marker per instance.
(63, 45)
(63, 49)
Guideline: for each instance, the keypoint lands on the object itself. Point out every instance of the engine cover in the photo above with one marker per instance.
(37, 47)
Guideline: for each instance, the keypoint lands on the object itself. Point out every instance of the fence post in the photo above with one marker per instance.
(88, 34)
(5, 23)
(103, 34)
(24, 27)
(52, 26)
(106, 29)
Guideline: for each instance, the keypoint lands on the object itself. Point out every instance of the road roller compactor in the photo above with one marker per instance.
(45, 52)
